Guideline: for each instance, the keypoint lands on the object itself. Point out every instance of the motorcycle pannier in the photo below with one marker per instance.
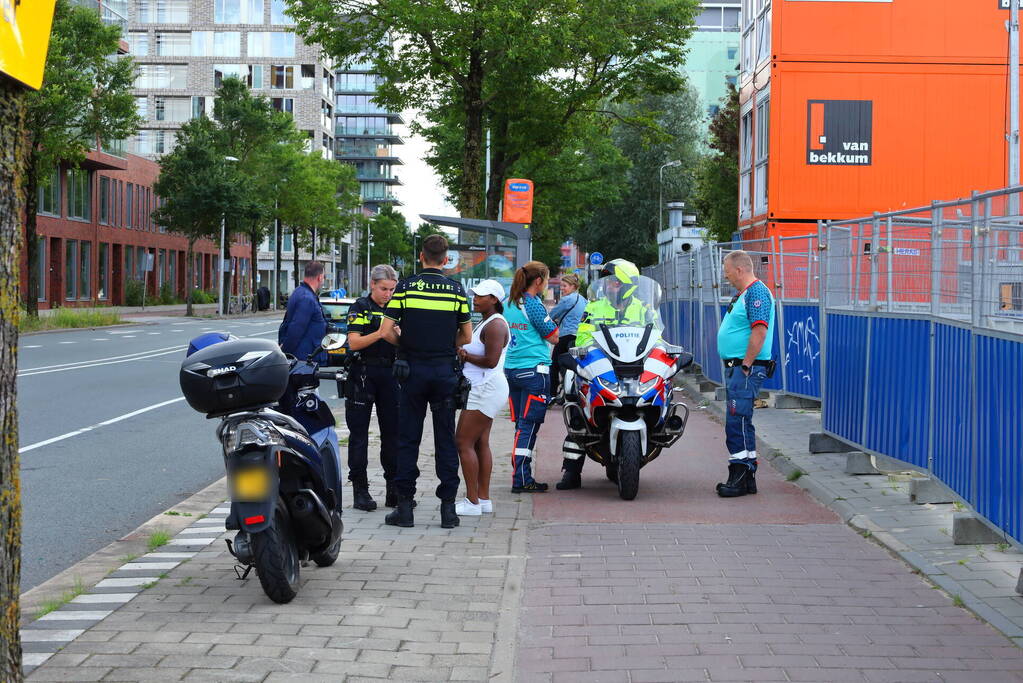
(234, 375)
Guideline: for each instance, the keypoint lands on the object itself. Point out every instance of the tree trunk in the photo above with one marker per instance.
(254, 263)
(190, 276)
(312, 249)
(294, 256)
(470, 199)
(31, 240)
(278, 259)
(12, 160)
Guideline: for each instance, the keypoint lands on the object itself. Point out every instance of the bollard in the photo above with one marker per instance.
(923, 490)
(970, 530)
(858, 462)
(789, 402)
(825, 443)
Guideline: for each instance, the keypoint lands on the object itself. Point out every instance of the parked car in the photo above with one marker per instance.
(336, 311)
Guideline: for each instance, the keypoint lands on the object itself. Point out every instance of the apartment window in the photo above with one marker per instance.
(731, 19)
(308, 76)
(41, 269)
(764, 36)
(103, 265)
(162, 12)
(142, 107)
(238, 12)
(49, 194)
(732, 52)
(138, 44)
(222, 71)
(358, 104)
(172, 44)
(201, 106)
(287, 242)
(282, 77)
(163, 76)
(745, 161)
(79, 198)
(104, 200)
(174, 109)
(162, 265)
(255, 78)
(129, 206)
(286, 104)
(763, 146)
(277, 15)
(129, 263)
(71, 269)
(271, 44)
(84, 270)
(216, 43)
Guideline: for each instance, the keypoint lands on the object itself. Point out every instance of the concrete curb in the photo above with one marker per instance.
(97, 566)
(863, 524)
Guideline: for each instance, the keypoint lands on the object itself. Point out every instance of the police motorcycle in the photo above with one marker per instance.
(619, 403)
(280, 451)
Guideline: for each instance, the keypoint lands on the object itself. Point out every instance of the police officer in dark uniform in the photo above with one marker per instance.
(427, 319)
(371, 382)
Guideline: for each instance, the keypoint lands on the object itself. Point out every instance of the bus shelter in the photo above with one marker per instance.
(484, 249)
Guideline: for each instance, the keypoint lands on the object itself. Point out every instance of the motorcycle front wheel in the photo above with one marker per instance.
(630, 456)
(276, 559)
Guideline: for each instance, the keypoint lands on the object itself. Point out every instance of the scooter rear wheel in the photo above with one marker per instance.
(276, 558)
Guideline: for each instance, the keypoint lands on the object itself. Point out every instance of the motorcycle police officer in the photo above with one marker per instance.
(432, 313)
(371, 381)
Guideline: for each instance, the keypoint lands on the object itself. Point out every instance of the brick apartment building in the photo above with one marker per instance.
(95, 234)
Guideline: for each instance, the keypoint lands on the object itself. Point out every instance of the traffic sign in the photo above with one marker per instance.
(24, 38)
(596, 258)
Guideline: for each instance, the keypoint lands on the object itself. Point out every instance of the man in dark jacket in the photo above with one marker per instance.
(304, 324)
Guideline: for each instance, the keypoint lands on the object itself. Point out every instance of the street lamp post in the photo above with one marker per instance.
(223, 250)
(660, 193)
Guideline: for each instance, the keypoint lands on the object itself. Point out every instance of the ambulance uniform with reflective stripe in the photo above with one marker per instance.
(372, 378)
(527, 367)
(429, 308)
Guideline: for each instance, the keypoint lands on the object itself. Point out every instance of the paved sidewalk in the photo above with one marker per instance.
(983, 577)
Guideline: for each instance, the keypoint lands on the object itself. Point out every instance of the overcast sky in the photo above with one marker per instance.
(421, 192)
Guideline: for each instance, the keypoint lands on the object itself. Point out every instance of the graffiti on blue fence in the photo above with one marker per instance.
(803, 348)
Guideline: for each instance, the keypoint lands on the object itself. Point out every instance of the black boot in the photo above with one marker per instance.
(572, 477)
(741, 480)
(448, 516)
(361, 498)
(402, 514)
(391, 500)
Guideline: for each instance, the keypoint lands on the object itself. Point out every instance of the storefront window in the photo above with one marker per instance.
(104, 266)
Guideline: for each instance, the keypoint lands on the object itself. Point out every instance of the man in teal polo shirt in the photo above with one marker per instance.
(745, 339)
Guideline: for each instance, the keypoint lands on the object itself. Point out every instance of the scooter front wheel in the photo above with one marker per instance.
(276, 558)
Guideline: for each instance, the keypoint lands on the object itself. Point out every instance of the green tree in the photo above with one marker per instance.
(524, 61)
(716, 198)
(86, 96)
(627, 228)
(199, 187)
(391, 239)
(12, 203)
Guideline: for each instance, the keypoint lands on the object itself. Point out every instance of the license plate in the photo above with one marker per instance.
(252, 484)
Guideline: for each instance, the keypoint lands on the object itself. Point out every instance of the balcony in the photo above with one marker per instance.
(377, 177)
(368, 133)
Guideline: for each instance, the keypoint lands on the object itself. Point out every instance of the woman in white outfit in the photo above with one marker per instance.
(484, 368)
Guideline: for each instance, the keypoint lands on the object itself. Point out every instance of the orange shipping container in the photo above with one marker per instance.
(850, 139)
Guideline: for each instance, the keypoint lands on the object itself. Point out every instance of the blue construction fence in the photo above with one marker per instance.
(918, 359)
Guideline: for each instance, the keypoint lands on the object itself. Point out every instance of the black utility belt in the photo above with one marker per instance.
(375, 362)
(737, 362)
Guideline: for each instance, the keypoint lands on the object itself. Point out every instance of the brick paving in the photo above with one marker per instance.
(565, 586)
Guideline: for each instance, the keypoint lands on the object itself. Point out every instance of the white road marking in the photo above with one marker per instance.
(123, 331)
(105, 423)
(128, 336)
(32, 346)
(127, 583)
(72, 615)
(50, 635)
(154, 334)
(104, 598)
(67, 342)
(99, 339)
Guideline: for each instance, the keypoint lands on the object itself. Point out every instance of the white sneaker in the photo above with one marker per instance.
(465, 508)
(486, 505)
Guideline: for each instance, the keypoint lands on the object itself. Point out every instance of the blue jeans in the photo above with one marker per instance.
(528, 391)
(740, 436)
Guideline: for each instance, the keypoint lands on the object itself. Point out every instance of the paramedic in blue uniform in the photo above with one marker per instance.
(371, 382)
(745, 339)
(427, 319)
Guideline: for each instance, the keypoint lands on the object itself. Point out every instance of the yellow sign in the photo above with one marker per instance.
(24, 38)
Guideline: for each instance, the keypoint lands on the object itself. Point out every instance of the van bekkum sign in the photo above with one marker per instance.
(839, 132)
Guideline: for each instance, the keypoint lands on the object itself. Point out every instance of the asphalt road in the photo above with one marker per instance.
(106, 439)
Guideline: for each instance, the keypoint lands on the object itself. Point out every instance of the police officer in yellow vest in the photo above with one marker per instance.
(617, 307)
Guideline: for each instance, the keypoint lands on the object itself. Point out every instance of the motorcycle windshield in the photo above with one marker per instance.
(629, 304)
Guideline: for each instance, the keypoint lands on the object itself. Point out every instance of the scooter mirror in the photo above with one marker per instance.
(333, 341)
